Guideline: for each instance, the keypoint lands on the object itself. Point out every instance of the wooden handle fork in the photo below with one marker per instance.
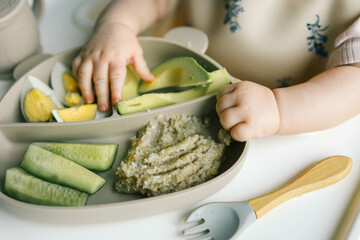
(322, 174)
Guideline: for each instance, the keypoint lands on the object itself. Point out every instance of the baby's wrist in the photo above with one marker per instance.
(105, 23)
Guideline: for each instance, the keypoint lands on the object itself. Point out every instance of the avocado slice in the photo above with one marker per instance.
(156, 100)
(148, 101)
(176, 72)
(131, 84)
(220, 78)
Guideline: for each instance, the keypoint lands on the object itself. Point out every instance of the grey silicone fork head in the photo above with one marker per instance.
(220, 220)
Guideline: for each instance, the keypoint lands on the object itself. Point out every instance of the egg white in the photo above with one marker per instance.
(57, 93)
(56, 116)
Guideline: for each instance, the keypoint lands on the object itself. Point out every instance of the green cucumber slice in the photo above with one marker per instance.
(25, 187)
(57, 169)
(93, 156)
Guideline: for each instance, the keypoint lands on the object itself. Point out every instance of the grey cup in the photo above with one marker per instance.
(19, 34)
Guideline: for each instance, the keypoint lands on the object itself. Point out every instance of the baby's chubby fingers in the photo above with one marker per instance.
(242, 132)
(231, 117)
(101, 84)
(248, 110)
(83, 71)
(75, 65)
(236, 121)
(141, 68)
(225, 90)
(117, 74)
(225, 101)
(228, 88)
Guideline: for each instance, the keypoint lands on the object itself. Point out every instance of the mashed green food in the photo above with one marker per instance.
(170, 154)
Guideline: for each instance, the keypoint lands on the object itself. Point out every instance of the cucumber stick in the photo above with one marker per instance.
(25, 187)
(57, 169)
(93, 156)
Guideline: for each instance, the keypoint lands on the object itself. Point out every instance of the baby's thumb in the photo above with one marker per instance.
(142, 69)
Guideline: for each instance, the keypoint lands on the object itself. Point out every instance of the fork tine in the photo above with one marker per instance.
(195, 216)
(202, 237)
(194, 219)
(201, 228)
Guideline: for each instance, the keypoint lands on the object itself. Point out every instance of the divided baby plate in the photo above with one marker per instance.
(107, 205)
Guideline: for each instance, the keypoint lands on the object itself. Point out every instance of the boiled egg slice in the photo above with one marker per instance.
(77, 113)
(65, 86)
(37, 100)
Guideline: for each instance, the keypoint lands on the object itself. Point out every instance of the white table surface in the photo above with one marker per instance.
(270, 163)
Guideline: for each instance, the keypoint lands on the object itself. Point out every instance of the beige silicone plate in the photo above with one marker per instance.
(106, 204)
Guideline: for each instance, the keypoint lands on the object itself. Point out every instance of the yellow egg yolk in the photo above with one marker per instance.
(73, 98)
(37, 106)
(70, 84)
(78, 113)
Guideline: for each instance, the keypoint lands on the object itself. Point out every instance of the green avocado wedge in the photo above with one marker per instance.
(179, 72)
(157, 100)
(27, 188)
(220, 79)
(131, 84)
(145, 102)
(93, 156)
(57, 169)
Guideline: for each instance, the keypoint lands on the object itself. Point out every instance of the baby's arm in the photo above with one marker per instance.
(113, 45)
(329, 98)
(250, 110)
(326, 100)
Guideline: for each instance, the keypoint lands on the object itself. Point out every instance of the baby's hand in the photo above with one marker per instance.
(248, 110)
(103, 60)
